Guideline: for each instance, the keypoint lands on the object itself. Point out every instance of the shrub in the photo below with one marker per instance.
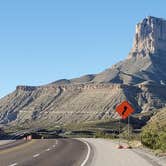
(149, 138)
(162, 141)
(154, 138)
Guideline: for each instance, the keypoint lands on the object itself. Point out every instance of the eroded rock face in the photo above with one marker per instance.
(150, 36)
(147, 58)
(26, 88)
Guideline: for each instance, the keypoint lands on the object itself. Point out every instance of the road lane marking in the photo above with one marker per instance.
(88, 154)
(47, 150)
(14, 164)
(54, 146)
(36, 155)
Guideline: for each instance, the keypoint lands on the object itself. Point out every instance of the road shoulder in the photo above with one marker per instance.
(106, 153)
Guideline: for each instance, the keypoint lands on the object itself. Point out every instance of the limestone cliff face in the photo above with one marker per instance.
(150, 36)
(147, 58)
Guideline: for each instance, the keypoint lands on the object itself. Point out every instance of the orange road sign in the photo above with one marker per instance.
(124, 109)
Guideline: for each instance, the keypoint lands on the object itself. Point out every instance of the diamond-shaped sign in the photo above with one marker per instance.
(124, 109)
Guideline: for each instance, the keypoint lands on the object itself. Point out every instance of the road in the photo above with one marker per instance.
(7, 144)
(51, 152)
(106, 153)
(69, 152)
(2, 142)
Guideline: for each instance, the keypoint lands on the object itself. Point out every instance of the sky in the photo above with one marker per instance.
(45, 40)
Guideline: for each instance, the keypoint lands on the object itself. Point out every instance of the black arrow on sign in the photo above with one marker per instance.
(125, 109)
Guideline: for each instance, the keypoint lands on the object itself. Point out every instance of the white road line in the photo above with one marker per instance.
(47, 150)
(36, 155)
(14, 164)
(88, 154)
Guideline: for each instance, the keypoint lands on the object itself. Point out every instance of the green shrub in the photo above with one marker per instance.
(103, 134)
(154, 138)
(149, 138)
(162, 141)
(100, 134)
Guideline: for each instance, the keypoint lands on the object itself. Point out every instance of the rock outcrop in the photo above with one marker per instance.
(150, 37)
(146, 60)
(140, 79)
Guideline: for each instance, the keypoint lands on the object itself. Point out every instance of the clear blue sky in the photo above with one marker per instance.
(45, 40)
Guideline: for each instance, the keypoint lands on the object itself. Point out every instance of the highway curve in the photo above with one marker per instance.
(47, 152)
(71, 152)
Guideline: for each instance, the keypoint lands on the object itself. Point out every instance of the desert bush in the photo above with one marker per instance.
(154, 138)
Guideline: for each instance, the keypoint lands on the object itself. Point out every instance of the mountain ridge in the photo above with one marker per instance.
(140, 79)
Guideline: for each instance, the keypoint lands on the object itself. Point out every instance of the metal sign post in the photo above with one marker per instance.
(128, 129)
(124, 110)
(119, 133)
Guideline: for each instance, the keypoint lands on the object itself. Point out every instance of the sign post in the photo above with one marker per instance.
(124, 110)
(128, 127)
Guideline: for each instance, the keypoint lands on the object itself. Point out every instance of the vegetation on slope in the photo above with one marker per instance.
(154, 133)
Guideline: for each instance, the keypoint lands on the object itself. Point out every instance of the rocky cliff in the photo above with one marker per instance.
(150, 36)
(140, 79)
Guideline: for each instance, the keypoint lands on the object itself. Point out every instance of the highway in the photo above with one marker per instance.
(50, 152)
(69, 152)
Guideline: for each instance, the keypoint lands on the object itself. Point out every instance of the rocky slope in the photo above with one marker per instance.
(140, 79)
(158, 121)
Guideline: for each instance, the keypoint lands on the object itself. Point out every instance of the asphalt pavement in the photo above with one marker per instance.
(46, 152)
(70, 152)
(106, 153)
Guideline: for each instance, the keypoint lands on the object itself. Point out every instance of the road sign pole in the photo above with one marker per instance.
(128, 129)
(119, 133)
